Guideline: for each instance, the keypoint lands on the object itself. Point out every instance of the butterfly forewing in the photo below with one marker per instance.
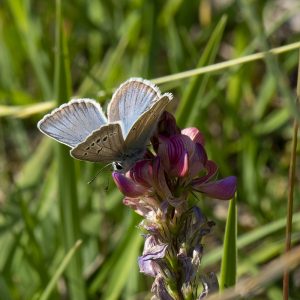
(143, 128)
(131, 100)
(71, 123)
(103, 145)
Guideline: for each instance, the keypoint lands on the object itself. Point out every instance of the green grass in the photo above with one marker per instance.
(243, 103)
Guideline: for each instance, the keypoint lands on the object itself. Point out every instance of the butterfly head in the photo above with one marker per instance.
(118, 166)
(125, 165)
(128, 160)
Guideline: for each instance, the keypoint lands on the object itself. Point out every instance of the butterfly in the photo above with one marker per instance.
(122, 137)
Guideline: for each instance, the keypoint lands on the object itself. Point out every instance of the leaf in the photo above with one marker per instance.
(229, 257)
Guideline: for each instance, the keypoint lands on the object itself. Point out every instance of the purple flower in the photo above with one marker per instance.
(179, 166)
(153, 252)
(128, 186)
(157, 187)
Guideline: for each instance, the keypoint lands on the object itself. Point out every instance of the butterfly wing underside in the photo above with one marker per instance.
(133, 113)
(102, 145)
(134, 97)
(142, 130)
(72, 123)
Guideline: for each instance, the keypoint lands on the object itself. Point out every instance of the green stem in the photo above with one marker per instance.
(291, 185)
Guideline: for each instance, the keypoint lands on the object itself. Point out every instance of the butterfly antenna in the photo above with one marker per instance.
(98, 173)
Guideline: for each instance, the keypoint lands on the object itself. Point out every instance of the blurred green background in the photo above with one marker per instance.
(245, 113)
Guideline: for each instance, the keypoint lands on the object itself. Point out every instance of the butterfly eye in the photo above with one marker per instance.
(118, 166)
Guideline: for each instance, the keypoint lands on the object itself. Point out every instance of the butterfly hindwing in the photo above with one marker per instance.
(102, 145)
(71, 123)
(131, 100)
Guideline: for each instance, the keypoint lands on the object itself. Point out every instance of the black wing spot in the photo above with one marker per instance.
(99, 150)
(134, 128)
(87, 148)
(93, 144)
(98, 141)
(104, 138)
(85, 154)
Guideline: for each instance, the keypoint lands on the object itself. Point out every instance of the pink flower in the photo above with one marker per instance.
(179, 166)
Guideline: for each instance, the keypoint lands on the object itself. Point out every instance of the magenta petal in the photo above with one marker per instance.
(197, 161)
(142, 173)
(167, 125)
(181, 167)
(183, 143)
(127, 186)
(184, 167)
(223, 189)
(163, 152)
(159, 181)
(194, 134)
(201, 154)
(211, 172)
(173, 152)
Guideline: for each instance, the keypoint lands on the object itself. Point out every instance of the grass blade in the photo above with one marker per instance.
(290, 203)
(121, 271)
(68, 199)
(245, 288)
(47, 292)
(249, 238)
(28, 34)
(226, 64)
(229, 258)
(189, 97)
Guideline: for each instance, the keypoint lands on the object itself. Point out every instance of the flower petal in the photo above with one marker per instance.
(194, 134)
(147, 267)
(159, 289)
(152, 252)
(167, 125)
(187, 268)
(140, 207)
(174, 152)
(159, 183)
(181, 168)
(142, 173)
(197, 161)
(211, 172)
(163, 152)
(223, 189)
(175, 202)
(127, 186)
